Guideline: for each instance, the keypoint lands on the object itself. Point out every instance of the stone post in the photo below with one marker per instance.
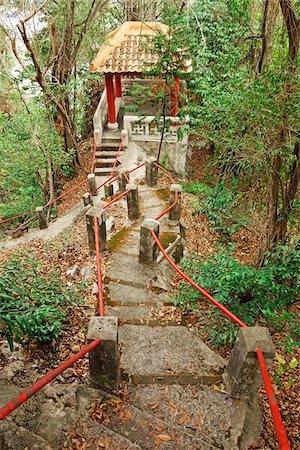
(108, 190)
(87, 199)
(125, 139)
(174, 213)
(132, 201)
(43, 224)
(122, 180)
(104, 360)
(99, 212)
(242, 375)
(242, 378)
(148, 246)
(151, 172)
(92, 183)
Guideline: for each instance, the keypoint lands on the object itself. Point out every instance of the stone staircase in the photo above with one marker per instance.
(170, 398)
(106, 153)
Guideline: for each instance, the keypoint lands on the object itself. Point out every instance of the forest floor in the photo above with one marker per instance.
(71, 248)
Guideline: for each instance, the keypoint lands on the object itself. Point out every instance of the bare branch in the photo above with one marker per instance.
(34, 12)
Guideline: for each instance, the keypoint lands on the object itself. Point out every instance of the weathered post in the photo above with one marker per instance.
(123, 177)
(151, 171)
(174, 213)
(90, 222)
(132, 201)
(108, 190)
(43, 223)
(242, 378)
(104, 360)
(125, 139)
(92, 183)
(87, 199)
(148, 246)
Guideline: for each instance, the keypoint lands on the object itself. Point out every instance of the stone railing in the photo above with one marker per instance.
(100, 118)
(147, 129)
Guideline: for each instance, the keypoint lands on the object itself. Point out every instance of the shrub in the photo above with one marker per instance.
(33, 302)
(245, 291)
(219, 204)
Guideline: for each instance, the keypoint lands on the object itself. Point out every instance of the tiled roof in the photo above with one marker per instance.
(127, 49)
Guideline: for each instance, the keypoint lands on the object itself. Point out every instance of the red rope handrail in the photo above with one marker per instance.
(25, 395)
(278, 422)
(277, 419)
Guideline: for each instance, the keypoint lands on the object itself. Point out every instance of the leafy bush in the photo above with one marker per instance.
(245, 291)
(33, 302)
(219, 203)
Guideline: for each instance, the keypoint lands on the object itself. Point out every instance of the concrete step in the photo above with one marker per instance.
(167, 355)
(107, 143)
(150, 432)
(109, 154)
(120, 294)
(97, 435)
(104, 162)
(146, 315)
(102, 171)
(203, 410)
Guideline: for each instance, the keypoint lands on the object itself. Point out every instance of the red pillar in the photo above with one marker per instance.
(118, 85)
(174, 97)
(112, 122)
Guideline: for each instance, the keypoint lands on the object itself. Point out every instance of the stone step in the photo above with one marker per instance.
(206, 412)
(146, 315)
(109, 154)
(167, 355)
(108, 144)
(105, 162)
(102, 171)
(98, 436)
(149, 432)
(119, 294)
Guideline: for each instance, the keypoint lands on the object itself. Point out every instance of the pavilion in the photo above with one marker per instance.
(126, 53)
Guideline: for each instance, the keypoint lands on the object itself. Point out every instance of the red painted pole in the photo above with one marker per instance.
(110, 98)
(279, 425)
(20, 399)
(118, 85)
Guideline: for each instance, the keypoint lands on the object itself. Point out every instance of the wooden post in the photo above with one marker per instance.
(112, 120)
(118, 85)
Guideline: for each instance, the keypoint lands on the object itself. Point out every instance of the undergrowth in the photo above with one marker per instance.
(249, 293)
(220, 204)
(34, 302)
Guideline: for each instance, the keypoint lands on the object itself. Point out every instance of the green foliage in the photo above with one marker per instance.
(245, 291)
(28, 143)
(33, 301)
(219, 203)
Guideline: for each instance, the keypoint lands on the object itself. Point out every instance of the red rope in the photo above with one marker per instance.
(116, 199)
(166, 171)
(20, 399)
(17, 217)
(99, 270)
(278, 422)
(195, 285)
(137, 167)
(117, 157)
